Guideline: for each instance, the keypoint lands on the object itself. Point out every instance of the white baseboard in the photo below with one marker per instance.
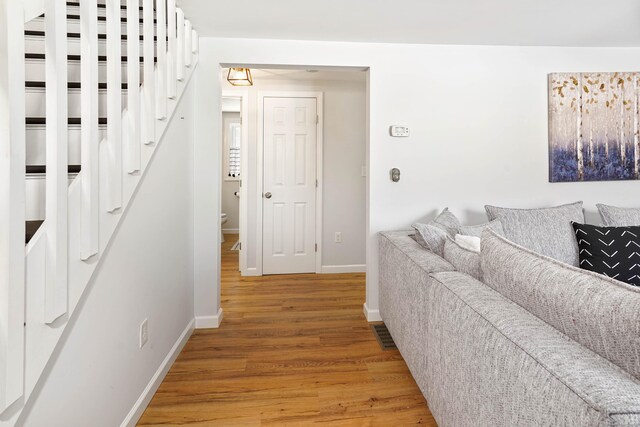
(206, 322)
(372, 315)
(231, 230)
(143, 401)
(352, 268)
(251, 272)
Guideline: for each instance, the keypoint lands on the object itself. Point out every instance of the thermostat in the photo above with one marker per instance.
(399, 131)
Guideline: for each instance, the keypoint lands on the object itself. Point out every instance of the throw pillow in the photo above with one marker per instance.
(433, 234)
(464, 260)
(476, 230)
(611, 251)
(471, 243)
(546, 231)
(618, 217)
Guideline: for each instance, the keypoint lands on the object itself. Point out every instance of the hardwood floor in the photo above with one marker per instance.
(291, 350)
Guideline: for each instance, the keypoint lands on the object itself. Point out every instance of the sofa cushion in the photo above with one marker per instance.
(546, 231)
(476, 230)
(433, 234)
(618, 217)
(611, 251)
(463, 259)
(600, 313)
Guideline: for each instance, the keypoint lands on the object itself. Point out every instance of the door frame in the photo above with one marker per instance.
(243, 222)
(260, 168)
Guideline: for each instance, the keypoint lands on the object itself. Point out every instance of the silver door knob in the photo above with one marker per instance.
(267, 195)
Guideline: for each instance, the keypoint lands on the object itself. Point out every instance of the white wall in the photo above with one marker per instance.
(478, 116)
(230, 202)
(344, 156)
(98, 372)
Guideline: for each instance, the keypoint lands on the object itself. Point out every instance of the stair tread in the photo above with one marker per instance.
(71, 120)
(36, 169)
(38, 33)
(31, 228)
(77, 4)
(70, 85)
(101, 58)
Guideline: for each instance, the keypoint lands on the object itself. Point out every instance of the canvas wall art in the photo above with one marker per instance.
(593, 127)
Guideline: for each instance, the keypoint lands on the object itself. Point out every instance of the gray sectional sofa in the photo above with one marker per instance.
(535, 343)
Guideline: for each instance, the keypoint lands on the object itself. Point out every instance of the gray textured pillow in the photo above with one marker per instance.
(547, 231)
(464, 260)
(476, 230)
(433, 234)
(600, 313)
(619, 217)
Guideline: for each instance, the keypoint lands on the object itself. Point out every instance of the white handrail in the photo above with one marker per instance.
(57, 184)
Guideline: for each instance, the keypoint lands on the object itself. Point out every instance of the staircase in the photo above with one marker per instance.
(87, 91)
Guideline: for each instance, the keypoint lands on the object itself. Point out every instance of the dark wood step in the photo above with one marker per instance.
(102, 6)
(30, 229)
(37, 33)
(36, 169)
(71, 120)
(70, 85)
(101, 58)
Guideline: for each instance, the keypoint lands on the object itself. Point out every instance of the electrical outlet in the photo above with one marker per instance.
(144, 333)
(338, 237)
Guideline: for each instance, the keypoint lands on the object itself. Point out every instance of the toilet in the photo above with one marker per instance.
(223, 219)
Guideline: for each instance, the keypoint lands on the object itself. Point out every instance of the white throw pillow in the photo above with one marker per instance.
(471, 243)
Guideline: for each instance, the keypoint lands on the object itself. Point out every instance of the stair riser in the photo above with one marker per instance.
(35, 44)
(36, 143)
(73, 26)
(35, 196)
(35, 71)
(36, 103)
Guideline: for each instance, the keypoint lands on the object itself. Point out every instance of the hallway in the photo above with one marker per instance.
(291, 350)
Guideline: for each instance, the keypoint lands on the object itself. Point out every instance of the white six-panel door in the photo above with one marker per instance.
(289, 186)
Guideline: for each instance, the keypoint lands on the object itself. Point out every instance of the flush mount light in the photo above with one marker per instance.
(240, 77)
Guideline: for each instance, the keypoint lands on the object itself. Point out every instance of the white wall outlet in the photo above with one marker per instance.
(144, 333)
(398, 131)
(338, 237)
(363, 171)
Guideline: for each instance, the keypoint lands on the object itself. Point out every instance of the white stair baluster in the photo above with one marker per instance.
(149, 75)
(12, 209)
(113, 196)
(57, 181)
(195, 41)
(180, 43)
(133, 139)
(161, 69)
(171, 53)
(188, 52)
(89, 148)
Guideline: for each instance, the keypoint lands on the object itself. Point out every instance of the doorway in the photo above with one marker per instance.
(303, 172)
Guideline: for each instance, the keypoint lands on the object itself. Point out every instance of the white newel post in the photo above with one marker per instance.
(171, 53)
(133, 87)
(57, 181)
(113, 194)
(188, 52)
(148, 85)
(12, 209)
(180, 43)
(90, 137)
(161, 70)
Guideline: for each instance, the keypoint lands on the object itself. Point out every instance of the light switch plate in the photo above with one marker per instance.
(399, 131)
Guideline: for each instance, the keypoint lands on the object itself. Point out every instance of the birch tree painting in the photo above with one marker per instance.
(593, 127)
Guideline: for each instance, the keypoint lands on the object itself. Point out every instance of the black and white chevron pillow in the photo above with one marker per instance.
(612, 251)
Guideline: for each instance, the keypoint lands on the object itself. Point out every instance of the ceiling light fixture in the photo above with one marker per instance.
(240, 77)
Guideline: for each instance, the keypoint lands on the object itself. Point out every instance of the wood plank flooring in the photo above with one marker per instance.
(292, 350)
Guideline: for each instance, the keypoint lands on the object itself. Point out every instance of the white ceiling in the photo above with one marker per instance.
(480, 22)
